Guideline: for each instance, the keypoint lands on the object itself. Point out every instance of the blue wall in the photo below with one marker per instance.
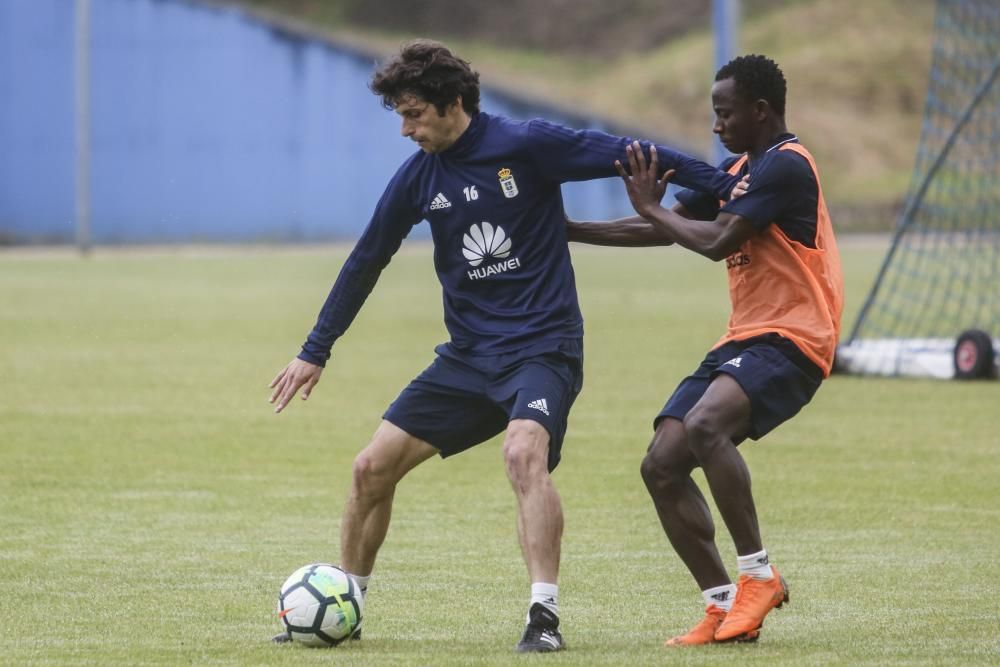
(206, 125)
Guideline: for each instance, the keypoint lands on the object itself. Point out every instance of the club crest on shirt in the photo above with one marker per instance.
(507, 183)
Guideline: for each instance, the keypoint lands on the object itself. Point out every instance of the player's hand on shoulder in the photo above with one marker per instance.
(298, 374)
(740, 188)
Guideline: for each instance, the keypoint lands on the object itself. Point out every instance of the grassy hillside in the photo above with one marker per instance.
(857, 73)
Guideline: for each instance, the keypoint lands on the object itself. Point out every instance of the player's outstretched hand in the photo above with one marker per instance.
(298, 374)
(644, 189)
(740, 188)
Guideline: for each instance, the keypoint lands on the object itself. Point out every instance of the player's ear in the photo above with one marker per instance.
(762, 110)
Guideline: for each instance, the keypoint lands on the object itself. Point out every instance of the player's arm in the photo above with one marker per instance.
(636, 231)
(632, 232)
(715, 239)
(393, 218)
(566, 155)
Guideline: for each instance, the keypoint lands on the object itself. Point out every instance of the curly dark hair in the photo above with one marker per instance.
(756, 78)
(431, 72)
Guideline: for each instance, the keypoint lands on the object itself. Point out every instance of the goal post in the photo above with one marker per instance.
(933, 310)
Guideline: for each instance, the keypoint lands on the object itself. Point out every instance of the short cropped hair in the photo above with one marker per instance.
(431, 72)
(756, 78)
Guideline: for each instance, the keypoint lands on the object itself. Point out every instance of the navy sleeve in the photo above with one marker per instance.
(394, 216)
(782, 186)
(703, 205)
(579, 155)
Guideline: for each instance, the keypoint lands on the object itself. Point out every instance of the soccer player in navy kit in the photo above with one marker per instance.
(490, 189)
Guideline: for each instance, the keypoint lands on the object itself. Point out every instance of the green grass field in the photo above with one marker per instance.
(151, 503)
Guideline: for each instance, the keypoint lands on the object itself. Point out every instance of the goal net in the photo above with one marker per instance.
(933, 309)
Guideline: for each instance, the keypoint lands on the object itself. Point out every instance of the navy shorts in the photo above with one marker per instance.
(460, 401)
(777, 377)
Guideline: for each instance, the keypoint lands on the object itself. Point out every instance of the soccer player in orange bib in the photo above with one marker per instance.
(787, 295)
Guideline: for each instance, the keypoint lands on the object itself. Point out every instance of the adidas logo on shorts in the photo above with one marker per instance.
(540, 405)
(735, 361)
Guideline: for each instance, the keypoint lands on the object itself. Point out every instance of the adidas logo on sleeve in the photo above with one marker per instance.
(440, 201)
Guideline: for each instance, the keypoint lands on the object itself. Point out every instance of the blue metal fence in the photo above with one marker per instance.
(207, 124)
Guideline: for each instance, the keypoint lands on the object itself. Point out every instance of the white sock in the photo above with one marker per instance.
(546, 595)
(720, 596)
(756, 565)
(362, 583)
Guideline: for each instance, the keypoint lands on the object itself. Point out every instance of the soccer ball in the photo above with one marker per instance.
(320, 605)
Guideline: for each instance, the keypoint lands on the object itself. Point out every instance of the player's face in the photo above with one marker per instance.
(422, 123)
(736, 119)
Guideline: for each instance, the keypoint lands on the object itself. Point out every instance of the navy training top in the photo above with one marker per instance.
(495, 209)
(783, 190)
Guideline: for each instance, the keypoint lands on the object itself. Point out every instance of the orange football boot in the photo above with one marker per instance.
(754, 599)
(704, 632)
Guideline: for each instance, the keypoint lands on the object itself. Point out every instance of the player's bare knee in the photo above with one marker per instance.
(651, 473)
(668, 459)
(364, 470)
(525, 450)
(518, 456)
(704, 433)
(370, 479)
(658, 474)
